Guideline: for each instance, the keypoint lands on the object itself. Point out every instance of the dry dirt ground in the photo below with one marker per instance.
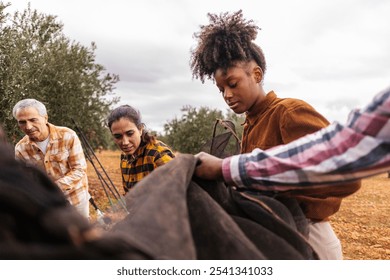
(362, 224)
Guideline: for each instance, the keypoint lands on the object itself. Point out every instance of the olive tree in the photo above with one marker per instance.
(38, 61)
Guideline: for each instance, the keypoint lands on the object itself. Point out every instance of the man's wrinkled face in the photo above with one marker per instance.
(32, 124)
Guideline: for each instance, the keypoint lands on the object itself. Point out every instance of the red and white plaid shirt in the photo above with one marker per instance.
(63, 161)
(334, 154)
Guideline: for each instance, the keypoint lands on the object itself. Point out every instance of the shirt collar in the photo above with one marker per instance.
(53, 133)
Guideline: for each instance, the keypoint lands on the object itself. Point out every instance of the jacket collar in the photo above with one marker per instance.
(259, 110)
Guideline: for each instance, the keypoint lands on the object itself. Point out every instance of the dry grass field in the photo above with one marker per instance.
(362, 224)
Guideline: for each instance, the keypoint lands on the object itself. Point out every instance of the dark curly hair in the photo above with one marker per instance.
(133, 115)
(224, 42)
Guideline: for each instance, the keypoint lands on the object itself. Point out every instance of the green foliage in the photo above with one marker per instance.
(189, 133)
(195, 127)
(38, 61)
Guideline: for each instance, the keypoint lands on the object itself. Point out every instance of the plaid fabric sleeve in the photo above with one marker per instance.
(77, 164)
(335, 154)
(164, 154)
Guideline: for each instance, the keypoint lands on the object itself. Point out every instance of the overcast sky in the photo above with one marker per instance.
(334, 54)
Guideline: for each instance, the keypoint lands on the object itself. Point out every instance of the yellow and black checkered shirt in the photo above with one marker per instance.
(147, 157)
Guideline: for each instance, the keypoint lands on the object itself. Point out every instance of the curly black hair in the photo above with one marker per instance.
(224, 42)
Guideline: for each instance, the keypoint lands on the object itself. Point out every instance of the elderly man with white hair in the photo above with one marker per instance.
(55, 149)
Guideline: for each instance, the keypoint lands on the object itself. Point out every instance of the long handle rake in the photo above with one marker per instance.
(90, 157)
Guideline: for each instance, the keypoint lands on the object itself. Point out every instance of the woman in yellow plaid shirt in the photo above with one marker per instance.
(141, 152)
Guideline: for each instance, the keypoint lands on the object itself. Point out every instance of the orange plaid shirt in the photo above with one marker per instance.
(148, 157)
(63, 161)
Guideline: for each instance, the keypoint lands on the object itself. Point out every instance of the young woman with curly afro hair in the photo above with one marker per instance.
(227, 54)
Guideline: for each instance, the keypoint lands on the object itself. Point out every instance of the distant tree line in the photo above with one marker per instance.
(38, 61)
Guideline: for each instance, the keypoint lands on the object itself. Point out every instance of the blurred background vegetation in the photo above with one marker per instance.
(38, 61)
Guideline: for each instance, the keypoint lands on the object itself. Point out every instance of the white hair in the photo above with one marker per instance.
(27, 103)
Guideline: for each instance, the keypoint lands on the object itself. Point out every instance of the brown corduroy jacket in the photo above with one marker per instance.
(279, 121)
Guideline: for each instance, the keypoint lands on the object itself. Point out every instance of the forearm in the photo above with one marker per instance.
(76, 169)
(333, 155)
(72, 180)
(208, 167)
